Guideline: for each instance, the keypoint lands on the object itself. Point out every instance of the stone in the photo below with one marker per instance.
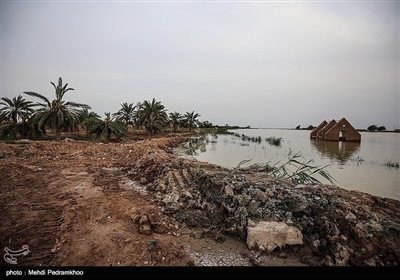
(143, 180)
(228, 191)
(145, 229)
(145, 224)
(266, 236)
(252, 207)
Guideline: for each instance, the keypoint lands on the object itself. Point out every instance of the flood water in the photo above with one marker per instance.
(369, 166)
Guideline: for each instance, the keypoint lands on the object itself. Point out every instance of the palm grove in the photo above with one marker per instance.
(24, 119)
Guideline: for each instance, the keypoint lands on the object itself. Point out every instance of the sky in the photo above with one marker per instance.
(263, 64)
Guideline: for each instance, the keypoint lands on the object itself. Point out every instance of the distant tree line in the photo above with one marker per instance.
(21, 118)
(376, 128)
(310, 127)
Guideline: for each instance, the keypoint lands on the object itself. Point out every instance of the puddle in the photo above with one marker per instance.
(208, 252)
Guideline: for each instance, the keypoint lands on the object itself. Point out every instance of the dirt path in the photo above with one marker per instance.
(72, 212)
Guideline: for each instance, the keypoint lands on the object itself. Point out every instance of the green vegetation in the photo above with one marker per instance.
(152, 115)
(190, 119)
(14, 118)
(274, 141)
(126, 114)
(357, 159)
(195, 144)
(392, 163)
(176, 120)
(293, 170)
(376, 128)
(58, 115)
(245, 138)
(23, 119)
(104, 129)
(16, 109)
(310, 127)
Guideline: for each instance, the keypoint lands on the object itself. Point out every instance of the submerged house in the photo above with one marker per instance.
(314, 132)
(340, 130)
(321, 133)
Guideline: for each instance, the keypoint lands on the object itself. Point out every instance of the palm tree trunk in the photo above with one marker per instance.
(14, 117)
(58, 133)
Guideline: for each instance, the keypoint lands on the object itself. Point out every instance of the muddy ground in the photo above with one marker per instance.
(84, 203)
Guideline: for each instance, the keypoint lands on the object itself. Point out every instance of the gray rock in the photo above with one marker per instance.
(266, 236)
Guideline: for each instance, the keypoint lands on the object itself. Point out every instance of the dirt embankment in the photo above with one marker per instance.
(134, 203)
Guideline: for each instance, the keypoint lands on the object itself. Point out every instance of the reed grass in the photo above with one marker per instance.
(391, 163)
(274, 141)
(304, 172)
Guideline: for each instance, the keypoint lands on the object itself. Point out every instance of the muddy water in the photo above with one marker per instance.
(364, 166)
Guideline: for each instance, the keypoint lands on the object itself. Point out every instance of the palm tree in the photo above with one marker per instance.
(126, 114)
(190, 119)
(176, 119)
(152, 115)
(86, 114)
(17, 109)
(105, 128)
(206, 124)
(2, 118)
(58, 114)
(15, 116)
(154, 124)
(25, 129)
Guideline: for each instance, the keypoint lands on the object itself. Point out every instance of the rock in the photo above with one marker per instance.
(144, 224)
(243, 199)
(342, 255)
(171, 198)
(252, 207)
(228, 191)
(188, 194)
(160, 228)
(145, 229)
(266, 236)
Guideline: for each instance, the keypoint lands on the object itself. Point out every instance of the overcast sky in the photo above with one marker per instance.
(272, 64)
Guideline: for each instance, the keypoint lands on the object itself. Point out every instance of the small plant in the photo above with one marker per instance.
(274, 141)
(391, 163)
(357, 159)
(304, 173)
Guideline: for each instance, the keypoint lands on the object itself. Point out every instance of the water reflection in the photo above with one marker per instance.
(337, 150)
(198, 145)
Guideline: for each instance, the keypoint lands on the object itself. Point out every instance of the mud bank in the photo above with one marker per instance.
(337, 227)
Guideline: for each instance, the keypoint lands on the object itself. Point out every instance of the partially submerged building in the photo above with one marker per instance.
(340, 130)
(321, 133)
(314, 132)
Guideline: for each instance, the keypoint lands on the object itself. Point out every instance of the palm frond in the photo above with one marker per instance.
(38, 95)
